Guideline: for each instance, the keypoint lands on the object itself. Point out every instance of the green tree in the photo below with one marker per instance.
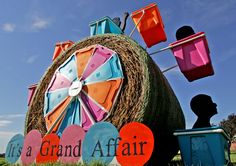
(229, 125)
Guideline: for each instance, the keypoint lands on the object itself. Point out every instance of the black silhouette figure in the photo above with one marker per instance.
(184, 32)
(117, 21)
(203, 106)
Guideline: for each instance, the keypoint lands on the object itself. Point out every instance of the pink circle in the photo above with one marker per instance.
(31, 147)
(71, 144)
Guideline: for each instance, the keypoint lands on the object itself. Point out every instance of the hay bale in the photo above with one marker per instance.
(145, 96)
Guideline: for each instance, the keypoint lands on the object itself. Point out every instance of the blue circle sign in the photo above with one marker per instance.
(100, 143)
(14, 148)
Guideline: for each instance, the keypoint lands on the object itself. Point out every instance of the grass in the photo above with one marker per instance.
(177, 161)
(60, 164)
(233, 157)
(177, 157)
(2, 162)
(96, 163)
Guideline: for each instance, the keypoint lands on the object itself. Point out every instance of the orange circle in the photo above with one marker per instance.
(49, 149)
(136, 144)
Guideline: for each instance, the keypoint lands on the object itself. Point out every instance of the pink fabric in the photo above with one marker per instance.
(31, 91)
(193, 57)
(94, 109)
(59, 82)
(99, 57)
(86, 122)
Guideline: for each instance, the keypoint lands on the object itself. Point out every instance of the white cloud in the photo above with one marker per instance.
(7, 119)
(211, 13)
(31, 59)
(8, 27)
(5, 138)
(7, 133)
(227, 55)
(4, 123)
(11, 116)
(40, 23)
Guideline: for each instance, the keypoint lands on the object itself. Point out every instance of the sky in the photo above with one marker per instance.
(29, 30)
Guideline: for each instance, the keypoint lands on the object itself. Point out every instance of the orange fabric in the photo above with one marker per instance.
(61, 47)
(83, 56)
(103, 92)
(151, 26)
(54, 115)
(150, 19)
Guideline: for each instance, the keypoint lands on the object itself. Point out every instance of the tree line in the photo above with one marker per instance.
(229, 126)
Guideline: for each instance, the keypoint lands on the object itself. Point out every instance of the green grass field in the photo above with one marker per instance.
(2, 162)
(233, 157)
(176, 161)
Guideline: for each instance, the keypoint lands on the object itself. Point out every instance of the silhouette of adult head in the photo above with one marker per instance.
(184, 32)
(203, 106)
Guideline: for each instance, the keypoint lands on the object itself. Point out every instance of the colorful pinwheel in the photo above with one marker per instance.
(83, 90)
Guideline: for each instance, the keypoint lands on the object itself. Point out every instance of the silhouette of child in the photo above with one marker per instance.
(203, 106)
(184, 32)
(117, 21)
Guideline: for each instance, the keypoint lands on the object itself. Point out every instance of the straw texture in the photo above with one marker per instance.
(146, 95)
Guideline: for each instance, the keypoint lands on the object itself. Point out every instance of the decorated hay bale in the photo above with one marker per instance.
(145, 96)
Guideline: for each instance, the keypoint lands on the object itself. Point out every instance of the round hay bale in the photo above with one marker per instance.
(145, 97)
